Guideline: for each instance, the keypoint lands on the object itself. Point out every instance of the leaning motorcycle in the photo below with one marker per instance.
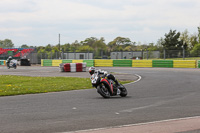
(12, 64)
(107, 87)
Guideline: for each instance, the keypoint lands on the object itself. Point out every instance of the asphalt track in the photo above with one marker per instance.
(161, 94)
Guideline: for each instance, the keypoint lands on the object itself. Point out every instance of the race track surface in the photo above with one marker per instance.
(161, 94)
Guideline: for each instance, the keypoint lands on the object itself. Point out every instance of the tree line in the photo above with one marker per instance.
(172, 40)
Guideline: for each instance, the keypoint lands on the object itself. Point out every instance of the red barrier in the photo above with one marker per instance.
(73, 67)
(79, 67)
(67, 67)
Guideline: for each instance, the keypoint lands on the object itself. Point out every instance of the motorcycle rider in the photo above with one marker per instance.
(93, 70)
(8, 60)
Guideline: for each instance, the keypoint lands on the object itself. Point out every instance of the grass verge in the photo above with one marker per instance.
(19, 85)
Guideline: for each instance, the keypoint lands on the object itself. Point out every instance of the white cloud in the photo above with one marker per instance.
(79, 19)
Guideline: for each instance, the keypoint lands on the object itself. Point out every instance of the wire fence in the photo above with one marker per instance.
(35, 58)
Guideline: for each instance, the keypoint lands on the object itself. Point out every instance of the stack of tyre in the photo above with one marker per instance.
(72, 67)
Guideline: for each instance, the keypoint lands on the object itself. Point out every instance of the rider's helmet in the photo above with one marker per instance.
(91, 70)
(10, 57)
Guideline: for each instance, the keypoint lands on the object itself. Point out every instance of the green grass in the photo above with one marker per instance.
(19, 85)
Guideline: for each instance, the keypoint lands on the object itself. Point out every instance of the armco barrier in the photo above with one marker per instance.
(162, 63)
(141, 63)
(103, 63)
(46, 63)
(184, 63)
(122, 63)
(56, 62)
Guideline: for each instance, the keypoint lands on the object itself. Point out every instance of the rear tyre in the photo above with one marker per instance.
(103, 91)
(123, 91)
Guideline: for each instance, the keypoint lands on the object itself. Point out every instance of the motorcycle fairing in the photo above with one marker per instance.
(109, 84)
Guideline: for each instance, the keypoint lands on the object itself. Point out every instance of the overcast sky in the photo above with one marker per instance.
(38, 22)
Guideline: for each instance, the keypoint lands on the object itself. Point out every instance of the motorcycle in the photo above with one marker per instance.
(107, 87)
(12, 64)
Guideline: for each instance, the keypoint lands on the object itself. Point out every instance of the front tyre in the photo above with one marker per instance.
(123, 91)
(103, 91)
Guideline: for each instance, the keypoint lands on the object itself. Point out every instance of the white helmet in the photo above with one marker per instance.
(91, 70)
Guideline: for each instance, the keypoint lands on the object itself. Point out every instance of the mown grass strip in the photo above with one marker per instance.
(19, 85)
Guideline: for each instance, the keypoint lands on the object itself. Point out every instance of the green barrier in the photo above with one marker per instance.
(199, 64)
(162, 63)
(66, 61)
(47, 62)
(122, 63)
(89, 63)
(1, 62)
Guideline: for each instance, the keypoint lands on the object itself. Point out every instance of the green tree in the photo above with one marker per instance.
(89, 41)
(99, 47)
(152, 47)
(185, 38)
(65, 47)
(119, 43)
(196, 50)
(24, 46)
(75, 46)
(7, 43)
(85, 48)
(172, 41)
(48, 48)
(193, 40)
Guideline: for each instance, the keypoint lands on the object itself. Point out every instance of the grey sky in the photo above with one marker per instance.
(38, 22)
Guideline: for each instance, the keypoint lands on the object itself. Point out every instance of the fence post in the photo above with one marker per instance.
(164, 54)
(142, 53)
(147, 54)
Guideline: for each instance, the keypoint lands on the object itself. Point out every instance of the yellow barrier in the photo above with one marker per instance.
(141, 63)
(56, 62)
(103, 63)
(77, 61)
(41, 62)
(184, 63)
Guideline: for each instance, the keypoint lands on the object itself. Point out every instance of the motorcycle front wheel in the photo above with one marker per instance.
(103, 91)
(123, 91)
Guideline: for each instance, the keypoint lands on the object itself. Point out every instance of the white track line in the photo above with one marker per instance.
(138, 124)
(139, 78)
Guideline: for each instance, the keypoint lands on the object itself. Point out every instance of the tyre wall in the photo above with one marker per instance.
(103, 63)
(142, 63)
(122, 63)
(198, 64)
(162, 63)
(128, 63)
(184, 63)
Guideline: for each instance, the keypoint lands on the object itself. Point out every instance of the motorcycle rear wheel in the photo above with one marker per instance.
(103, 91)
